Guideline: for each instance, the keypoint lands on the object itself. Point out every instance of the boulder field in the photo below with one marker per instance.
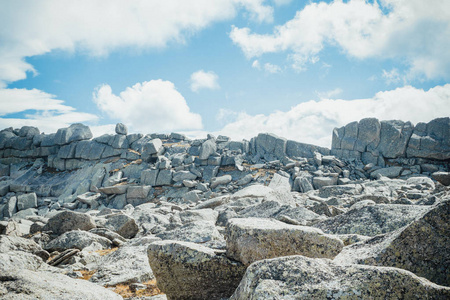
(161, 216)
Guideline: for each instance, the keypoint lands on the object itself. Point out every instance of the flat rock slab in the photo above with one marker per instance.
(299, 277)
(421, 247)
(190, 271)
(76, 239)
(25, 284)
(252, 239)
(372, 220)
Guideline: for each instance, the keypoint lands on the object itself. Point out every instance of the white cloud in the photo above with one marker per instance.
(29, 28)
(329, 94)
(271, 68)
(313, 121)
(46, 112)
(256, 64)
(204, 80)
(392, 76)
(413, 30)
(151, 106)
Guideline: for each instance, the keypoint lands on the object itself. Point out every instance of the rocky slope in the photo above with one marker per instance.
(269, 218)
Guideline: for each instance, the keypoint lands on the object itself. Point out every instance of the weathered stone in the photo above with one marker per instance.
(267, 144)
(67, 220)
(151, 147)
(138, 192)
(25, 284)
(191, 271)
(122, 224)
(164, 178)
(207, 149)
(183, 175)
(148, 177)
(75, 132)
(368, 134)
(216, 181)
(205, 214)
(252, 239)
(390, 172)
(372, 220)
(121, 129)
(299, 277)
(90, 199)
(76, 239)
(116, 189)
(320, 181)
(11, 207)
(421, 247)
(279, 182)
(297, 149)
(442, 177)
(394, 137)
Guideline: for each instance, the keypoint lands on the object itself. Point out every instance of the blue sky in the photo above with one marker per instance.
(233, 67)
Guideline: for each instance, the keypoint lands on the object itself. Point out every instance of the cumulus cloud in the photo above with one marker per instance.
(313, 121)
(412, 30)
(151, 106)
(271, 68)
(29, 28)
(329, 94)
(40, 109)
(204, 80)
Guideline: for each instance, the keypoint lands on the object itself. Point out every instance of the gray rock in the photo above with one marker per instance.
(279, 182)
(75, 132)
(148, 177)
(222, 180)
(245, 180)
(252, 239)
(138, 192)
(67, 220)
(390, 172)
(126, 265)
(372, 220)
(190, 271)
(207, 149)
(299, 277)
(394, 137)
(267, 144)
(19, 260)
(151, 147)
(320, 181)
(368, 134)
(90, 199)
(183, 175)
(25, 284)
(14, 243)
(28, 132)
(122, 224)
(114, 190)
(121, 129)
(297, 149)
(11, 207)
(421, 247)
(442, 177)
(164, 178)
(76, 239)
(206, 214)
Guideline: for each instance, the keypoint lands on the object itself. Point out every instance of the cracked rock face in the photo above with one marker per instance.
(299, 277)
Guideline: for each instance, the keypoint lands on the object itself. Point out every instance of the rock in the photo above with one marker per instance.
(372, 220)
(25, 284)
(122, 224)
(252, 239)
(183, 175)
(152, 147)
(13, 243)
(125, 265)
(297, 149)
(321, 181)
(121, 129)
(390, 172)
(222, 180)
(338, 190)
(164, 178)
(148, 177)
(63, 257)
(76, 239)
(256, 190)
(11, 207)
(279, 182)
(394, 137)
(442, 177)
(67, 220)
(138, 192)
(205, 214)
(421, 247)
(207, 149)
(245, 180)
(28, 132)
(299, 277)
(75, 132)
(90, 199)
(19, 260)
(191, 271)
(114, 190)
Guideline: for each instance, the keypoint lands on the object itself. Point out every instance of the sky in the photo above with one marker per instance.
(231, 67)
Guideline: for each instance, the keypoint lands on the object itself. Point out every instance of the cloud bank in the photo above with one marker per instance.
(204, 80)
(313, 121)
(148, 107)
(412, 30)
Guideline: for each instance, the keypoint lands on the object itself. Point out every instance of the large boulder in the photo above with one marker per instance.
(421, 247)
(25, 284)
(77, 239)
(269, 145)
(207, 149)
(191, 271)
(26, 201)
(121, 129)
(252, 239)
(394, 137)
(299, 277)
(75, 132)
(122, 224)
(372, 220)
(68, 220)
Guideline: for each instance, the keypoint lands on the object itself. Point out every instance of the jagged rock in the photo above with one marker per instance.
(207, 149)
(75, 132)
(25, 284)
(148, 177)
(11, 207)
(394, 137)
(122, 224)
(151, 147)
(253, 239)
(183, 175)
(421, 247)
(337, 190)
(205, 214)
(126, 265)
(164, 178)
(321, 181)
(279, 182)
(390, 172)
(121, 129)
(299, 277)
(20, 260)
(13, 243)
(63, 257)
(442, 177)
(114, 190)
(67, 221)
(191, 271)
(76, 239)
(90, 199)
(267, 144)
(372, 220)
(138, 192)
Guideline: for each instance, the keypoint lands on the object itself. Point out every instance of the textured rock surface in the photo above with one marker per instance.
(77, 239)
(25, 284)
(421, 247)
(69, 220)
(191, 271)
(299, 277)
(252, 239)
